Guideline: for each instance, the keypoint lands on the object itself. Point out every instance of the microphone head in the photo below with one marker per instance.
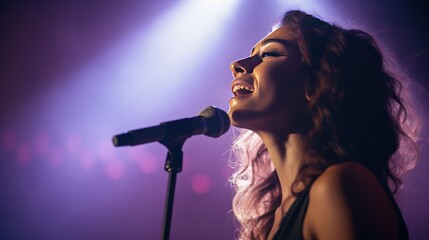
(217, 121)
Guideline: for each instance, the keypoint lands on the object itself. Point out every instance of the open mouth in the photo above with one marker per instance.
(241, 90)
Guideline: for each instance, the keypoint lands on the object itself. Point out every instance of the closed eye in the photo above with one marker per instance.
(268, 54)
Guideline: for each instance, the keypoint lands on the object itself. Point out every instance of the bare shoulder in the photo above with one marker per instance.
(345, 175)
(348, 202)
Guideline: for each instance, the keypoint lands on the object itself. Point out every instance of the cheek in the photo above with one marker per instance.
(282, 84)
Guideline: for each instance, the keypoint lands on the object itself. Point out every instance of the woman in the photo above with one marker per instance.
(328, 120)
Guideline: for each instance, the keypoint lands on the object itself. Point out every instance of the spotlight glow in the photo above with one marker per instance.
(159, 61)
(311, 6)
(153, 70)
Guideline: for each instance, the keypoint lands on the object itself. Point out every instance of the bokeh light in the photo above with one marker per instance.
(201, 183)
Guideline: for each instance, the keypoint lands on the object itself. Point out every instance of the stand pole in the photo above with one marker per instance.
(173, 165)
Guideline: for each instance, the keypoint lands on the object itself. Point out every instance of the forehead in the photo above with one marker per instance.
(285, 33)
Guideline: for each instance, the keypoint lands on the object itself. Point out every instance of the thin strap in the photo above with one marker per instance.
(291, 224)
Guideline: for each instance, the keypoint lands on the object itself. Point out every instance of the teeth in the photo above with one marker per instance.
(241, 87)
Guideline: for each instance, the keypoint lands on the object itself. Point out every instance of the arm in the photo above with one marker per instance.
(348, 202)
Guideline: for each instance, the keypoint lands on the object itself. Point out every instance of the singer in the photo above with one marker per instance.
(327, 130)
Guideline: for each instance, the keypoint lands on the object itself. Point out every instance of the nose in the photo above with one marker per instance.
(243, 65)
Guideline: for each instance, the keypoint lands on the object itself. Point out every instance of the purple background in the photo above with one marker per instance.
(74, 73)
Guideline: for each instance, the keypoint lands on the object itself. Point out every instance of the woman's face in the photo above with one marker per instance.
(268, 87)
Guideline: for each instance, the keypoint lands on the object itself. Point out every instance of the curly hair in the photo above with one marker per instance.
(359, 111)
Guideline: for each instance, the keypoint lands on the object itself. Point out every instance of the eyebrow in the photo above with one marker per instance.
(286, 43)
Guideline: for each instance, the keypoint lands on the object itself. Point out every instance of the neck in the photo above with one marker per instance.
(287, 153)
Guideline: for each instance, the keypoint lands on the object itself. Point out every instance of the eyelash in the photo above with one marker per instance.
(268, 54)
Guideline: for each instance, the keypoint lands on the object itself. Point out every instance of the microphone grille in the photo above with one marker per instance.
(217, 121)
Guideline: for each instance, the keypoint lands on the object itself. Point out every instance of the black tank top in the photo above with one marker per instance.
(291, 224)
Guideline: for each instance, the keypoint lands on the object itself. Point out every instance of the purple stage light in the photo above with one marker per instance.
(201, 183)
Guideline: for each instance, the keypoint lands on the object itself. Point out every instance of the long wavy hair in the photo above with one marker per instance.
(358, 110)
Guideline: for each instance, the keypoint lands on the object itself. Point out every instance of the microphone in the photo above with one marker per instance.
(211, 121)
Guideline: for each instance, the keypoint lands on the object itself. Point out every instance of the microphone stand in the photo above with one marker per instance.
(173, 165)
(212, 121)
